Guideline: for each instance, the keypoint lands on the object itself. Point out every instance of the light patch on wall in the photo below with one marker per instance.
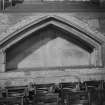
(56, 53)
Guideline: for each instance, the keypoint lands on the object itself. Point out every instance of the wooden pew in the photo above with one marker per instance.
(73, 95)
(15, 91)
(45, 94)
(11, 100)
(13, 95)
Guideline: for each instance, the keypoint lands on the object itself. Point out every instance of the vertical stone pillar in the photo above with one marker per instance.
(2, 61)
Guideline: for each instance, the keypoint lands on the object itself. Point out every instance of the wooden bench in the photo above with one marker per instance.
(75, 97)
(45, 94)
(72, 94)
(11, 100)
(13, 95)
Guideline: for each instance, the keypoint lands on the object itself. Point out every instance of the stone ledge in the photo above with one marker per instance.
(52, 73)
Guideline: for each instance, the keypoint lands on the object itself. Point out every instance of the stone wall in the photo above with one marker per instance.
(94, 20)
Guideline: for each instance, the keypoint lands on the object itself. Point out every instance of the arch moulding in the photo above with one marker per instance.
(78, 29)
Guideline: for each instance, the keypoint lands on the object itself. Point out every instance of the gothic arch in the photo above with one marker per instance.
(92, 39)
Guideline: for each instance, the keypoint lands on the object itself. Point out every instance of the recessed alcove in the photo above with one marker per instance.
(49, 48)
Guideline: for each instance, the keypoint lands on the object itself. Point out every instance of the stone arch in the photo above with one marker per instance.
(92, 39)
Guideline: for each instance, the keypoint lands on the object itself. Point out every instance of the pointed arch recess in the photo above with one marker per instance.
(92, 41)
